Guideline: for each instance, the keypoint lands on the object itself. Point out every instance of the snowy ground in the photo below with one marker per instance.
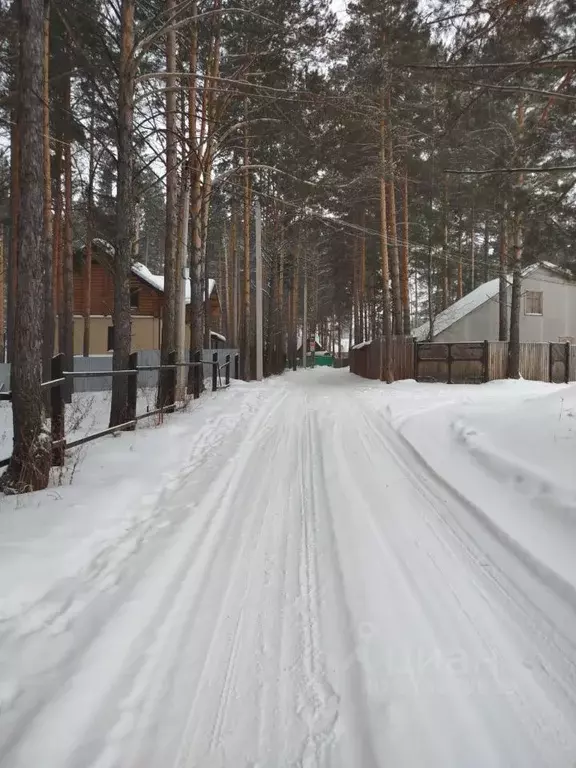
(313, 571)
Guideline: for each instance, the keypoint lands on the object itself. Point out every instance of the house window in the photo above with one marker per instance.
(134, 298)
(533, 303)
(110, 337)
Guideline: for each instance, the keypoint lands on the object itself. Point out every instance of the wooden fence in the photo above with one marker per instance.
(60, 391)
(464, 362)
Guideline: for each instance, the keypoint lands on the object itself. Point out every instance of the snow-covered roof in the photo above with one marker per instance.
(157, 281)
(362, 344)
(476, 298)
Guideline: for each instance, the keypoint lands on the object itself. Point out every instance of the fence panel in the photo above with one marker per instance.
(497, 360)
(572, 372)
(403, 358)
(432, 361)
(146, 379)
(559, 362)
(535, 360)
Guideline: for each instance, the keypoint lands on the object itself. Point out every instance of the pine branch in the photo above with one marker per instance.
(544, 169)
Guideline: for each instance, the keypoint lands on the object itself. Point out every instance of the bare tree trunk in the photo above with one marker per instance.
(48, 345)
(486, 249)
(460, 286)
(472, 251)
(446, 276)
(195, 206)
(14, 218)
(67, 330)
(294, 310)
(125, 216)
(2, 293)
(57, 290)
(386, 366)
(169, 309)
(30, 462)
(430, 293)
(405, 257)
(246, 331)
(362, 287)
(503, 275)
(87, 278)
(514, 345)
(395, 261)
(356, 289)
(281, 307)
(234, 263)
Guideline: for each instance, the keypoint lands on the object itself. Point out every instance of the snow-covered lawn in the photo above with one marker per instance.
(312, 571)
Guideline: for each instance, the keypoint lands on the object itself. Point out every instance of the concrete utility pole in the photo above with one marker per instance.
(259, 328)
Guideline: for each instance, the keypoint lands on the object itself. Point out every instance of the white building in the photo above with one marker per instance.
(547, 311)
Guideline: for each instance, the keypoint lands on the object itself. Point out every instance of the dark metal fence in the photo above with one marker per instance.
(60, 389)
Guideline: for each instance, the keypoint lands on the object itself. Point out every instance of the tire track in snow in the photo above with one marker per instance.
(409, 534)
(124, 611)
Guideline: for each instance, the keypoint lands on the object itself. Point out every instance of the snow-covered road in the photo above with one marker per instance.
(310, 593)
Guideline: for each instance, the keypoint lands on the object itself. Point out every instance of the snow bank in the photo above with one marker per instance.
(507, 448)
(102, 506)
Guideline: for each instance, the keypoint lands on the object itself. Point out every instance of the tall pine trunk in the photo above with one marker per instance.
(169, 309)
(386, 364)
(246, 289)
(125, 216)
(446, 275)
(486, 249)
(195, 205)
(14, 219)
(405, 274)
(57, 240)
(30, 462)
(472, 250)
(67, 327)
(460, 284)
(395, 260)
(2, 293)
(503, 281)
(362, 287)
(87, 277)
(514, 345)
(49, 325)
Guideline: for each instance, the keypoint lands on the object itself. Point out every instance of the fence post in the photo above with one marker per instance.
(415, 361)
(227, 370)
(449, 363)
(567, 371)
(236, 366)
(214, 371)
(132, 391)
(550, 362)
(486, 361)
(57, 411)
(197, 374)
(171, 379)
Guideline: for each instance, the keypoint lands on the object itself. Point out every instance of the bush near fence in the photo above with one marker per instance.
(464, 362)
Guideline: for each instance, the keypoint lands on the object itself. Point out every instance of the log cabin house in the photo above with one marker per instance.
(146, 298)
